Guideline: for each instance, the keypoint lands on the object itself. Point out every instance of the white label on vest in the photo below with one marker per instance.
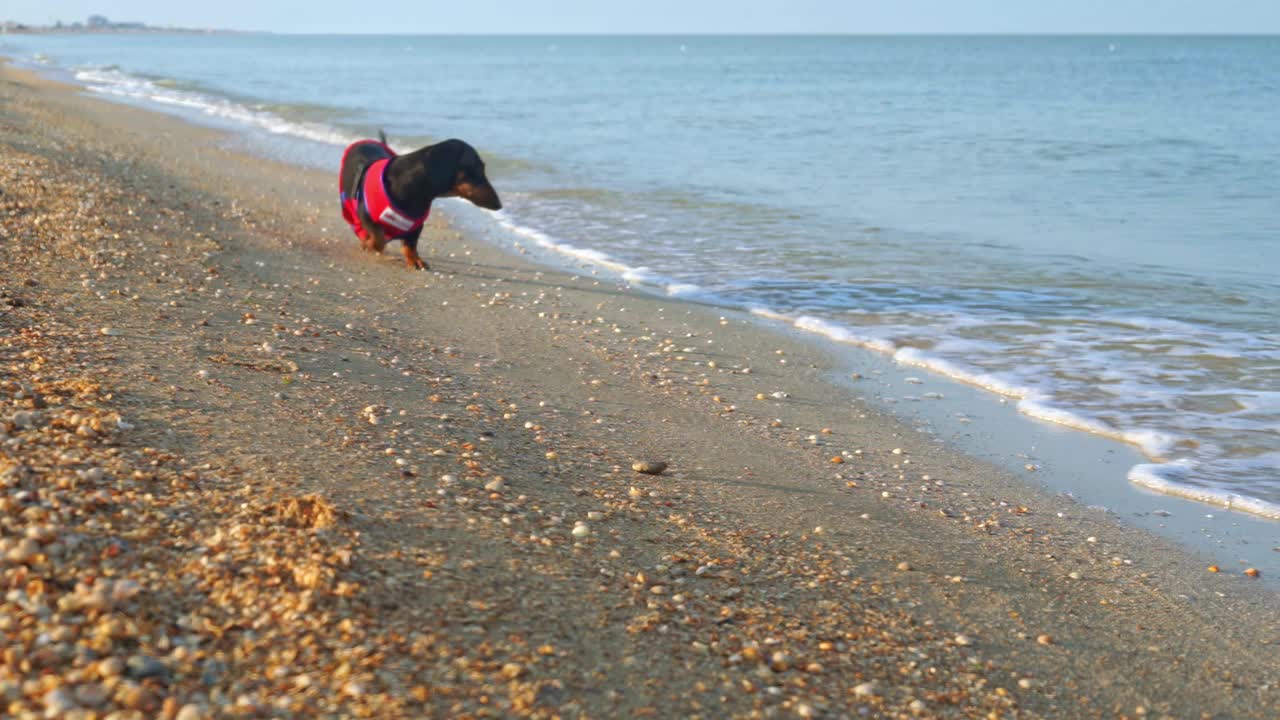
(395, 220)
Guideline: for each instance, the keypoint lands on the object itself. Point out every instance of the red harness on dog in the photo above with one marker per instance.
(372, 192)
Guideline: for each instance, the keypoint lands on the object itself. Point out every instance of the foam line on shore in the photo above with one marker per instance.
(631, 274)
(1163, 478)
(1169, 478)
(112, 81)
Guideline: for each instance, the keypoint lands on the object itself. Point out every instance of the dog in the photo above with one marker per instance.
(387, 197)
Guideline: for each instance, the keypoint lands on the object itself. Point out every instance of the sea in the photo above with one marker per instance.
(1087, 227)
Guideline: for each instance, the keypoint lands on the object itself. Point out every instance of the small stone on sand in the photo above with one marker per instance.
(649, 467)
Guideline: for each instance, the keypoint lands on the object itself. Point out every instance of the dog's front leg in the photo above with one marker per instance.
(410, 247)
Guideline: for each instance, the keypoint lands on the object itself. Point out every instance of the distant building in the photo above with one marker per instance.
(101, 22)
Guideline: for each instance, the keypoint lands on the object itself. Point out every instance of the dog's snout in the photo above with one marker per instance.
(481, 195)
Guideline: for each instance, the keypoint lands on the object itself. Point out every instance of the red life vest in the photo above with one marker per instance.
(372, 192)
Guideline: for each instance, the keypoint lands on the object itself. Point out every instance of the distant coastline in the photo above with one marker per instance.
(100, 24)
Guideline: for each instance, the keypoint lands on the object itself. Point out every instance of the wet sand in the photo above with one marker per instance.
(249, 470)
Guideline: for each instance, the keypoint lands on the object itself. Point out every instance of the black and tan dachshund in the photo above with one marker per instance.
(388, 197)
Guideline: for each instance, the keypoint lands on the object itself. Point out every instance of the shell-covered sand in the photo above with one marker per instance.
(247, 471)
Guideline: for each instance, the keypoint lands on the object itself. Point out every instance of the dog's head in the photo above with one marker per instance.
(457, 171)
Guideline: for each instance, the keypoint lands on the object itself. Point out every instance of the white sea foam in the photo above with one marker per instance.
(110, 81)
(1033, 403)
(1172, 479)
(641, 276)
(835, 332)
(569, 250)
(987, 381)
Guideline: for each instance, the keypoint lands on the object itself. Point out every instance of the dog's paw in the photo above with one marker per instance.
(417, 264)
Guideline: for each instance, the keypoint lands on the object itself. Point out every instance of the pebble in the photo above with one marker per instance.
(145, 666)
(25, 551)
(496, 484)
(963, 640)
(111, 667)
(649, 467)
(1045, 639)
(57, 703)
(133, 696)
(866, 689)
(212, 670)
(581, 530)
(904, 566)
(91, 694)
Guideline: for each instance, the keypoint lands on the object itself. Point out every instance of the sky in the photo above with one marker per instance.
(677, 16)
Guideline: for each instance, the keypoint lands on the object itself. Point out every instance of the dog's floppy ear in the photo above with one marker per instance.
(441, 164)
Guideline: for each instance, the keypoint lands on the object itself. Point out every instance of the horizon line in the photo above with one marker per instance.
(699, 33)
(571, 33)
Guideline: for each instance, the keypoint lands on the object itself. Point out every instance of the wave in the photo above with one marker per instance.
(110, 80)
(636, 275)
(1174, 479)
(1181, 477)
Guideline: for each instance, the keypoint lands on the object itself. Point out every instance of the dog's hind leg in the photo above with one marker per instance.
(410, 248)
(373, 239)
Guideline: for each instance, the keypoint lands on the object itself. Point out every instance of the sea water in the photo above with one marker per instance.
(1088, 226)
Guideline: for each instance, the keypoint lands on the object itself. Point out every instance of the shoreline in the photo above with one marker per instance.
(602, 376)
(1130, 496)
(1047, 455)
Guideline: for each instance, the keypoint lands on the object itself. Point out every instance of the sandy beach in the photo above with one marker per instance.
(248, 471)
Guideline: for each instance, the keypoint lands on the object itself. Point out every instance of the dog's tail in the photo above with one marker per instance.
(382, 136)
